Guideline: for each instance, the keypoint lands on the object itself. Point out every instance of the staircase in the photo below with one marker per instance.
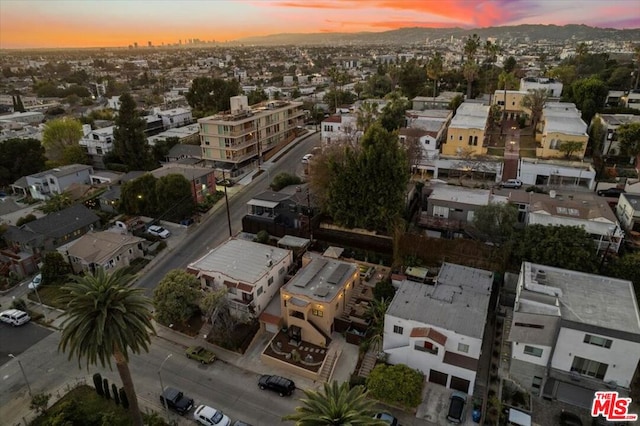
(327, 368)
(352, 301)
(368, 362)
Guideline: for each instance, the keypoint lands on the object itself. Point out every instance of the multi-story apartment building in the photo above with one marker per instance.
(573, 333)
(467, 131)
(252, 273)
(561, 123)
(243, 135)
(438, 328)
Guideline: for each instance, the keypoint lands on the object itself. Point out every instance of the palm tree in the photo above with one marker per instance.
(375, 314)
(471, 46)
(470, 72)
(434, 70)
(335, 405)
(534, 101)
(366, 115)
(105, 319)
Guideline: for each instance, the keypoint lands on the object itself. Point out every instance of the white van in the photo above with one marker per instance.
(14, 317)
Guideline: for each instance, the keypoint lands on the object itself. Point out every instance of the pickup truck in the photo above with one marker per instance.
(200, 354)
(176, 400)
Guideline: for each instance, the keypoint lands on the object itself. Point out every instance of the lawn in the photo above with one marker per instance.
(48, 295)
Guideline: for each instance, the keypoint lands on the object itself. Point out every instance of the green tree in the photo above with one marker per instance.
(470, 71)
(535, 101)
(510, 65)
(627, 267)
(396, 384)
(471, 46)
(106, 319)
(589, 94)
(56, 203)
(176, 297)
(337, 405)
(392, 116)
(25, 219)
(568, 247)
(75, 155)
(366, 115)
(138, 196)
(569, 147)
(174, 197)
(55, 269)
(162, 147)
(596, 136)
(508, 81)
(412, 79)
(496, 221)
(283, 179)
(20, 157)
(378, 86)
(60, 134)
(365, 188)
(40, 402)
(257, 96)
(629, 139)
(129, 140)
(208, 96)
(456, 102)
(434, 70)
(375, 314)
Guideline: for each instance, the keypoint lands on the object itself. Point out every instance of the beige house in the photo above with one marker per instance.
(107, 250)
(561, 123)
(513, 103)
(315, 296)
(467, 131)
(242, 135)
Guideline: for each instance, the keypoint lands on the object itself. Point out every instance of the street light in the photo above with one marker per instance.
(23, 374)
(164, 400)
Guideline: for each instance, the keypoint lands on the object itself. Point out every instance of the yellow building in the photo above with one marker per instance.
(467, 131)
(315, 296)
(561, 123)
(514, 108)
(242, 135)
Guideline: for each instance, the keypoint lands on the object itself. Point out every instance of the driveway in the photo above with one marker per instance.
(435, 404)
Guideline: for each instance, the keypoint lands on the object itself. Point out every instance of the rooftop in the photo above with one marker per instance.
(563, 117)
(99, 247)
(585, 298)
(241, 260)
(322, 278)
(458, 302)
(478, 197)
(619, 119)
(62, 170)
(470, 116)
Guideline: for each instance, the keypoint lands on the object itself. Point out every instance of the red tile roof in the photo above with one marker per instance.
(429, 333)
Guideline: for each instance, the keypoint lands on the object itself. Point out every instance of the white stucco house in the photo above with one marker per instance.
(438, 328)
(573, 333)
(252, 273)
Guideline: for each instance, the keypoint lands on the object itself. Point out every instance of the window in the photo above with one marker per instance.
(470, 140)
(439, 211)
(397, 329)
(524, 324)
(130, 251)
(259, 291)
(463, 348)
(597, 341)
(317, 312)
(460, 137)
(281, 271)
(270, 281)
(533, 351)
(475, 141)
(590, 368)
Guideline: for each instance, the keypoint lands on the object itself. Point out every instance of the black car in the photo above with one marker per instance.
(457, 405)
(611, 192)
(569, 419)
(279, 384)
(176, 400)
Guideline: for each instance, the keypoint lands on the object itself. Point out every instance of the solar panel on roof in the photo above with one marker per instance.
(321, 291)
(338, 275)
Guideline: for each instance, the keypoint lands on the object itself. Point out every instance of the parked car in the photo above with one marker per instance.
(569, 419)
(457, 407)
(307, 158)
(201, 354)
(209, 416)
(176, 400)
(158, 231)
(279, 384)
(15, 317)
(511, 183)
(387, 418)
(35, 282)
(225, 182)
(611, 192)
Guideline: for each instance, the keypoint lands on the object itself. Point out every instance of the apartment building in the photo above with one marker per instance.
(573, 333)
(239, 137)
(553, 87)
(610, 123)
(561, 122)
(316, 296)
(252, 273)
(510, 101)
(438, 328)
(466, 134)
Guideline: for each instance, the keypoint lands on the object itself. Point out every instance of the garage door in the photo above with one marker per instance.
(460, 384)
(438, 377)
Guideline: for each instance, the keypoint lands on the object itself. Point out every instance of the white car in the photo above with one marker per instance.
(35, 282)
(158, 231)
(511, 183)
(307, 158)
(15, 317)
(209, 416)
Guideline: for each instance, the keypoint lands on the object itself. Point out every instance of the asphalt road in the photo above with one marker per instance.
(15, 340)
(214, 230)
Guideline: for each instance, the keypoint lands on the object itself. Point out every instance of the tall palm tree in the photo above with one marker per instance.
(535, 101)
(434, 70)
(335, 405)
(366, 115)
(105, 319)
(470, 72)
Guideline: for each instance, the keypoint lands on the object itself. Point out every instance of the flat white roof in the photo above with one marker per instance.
(470, 116)
(478, 197)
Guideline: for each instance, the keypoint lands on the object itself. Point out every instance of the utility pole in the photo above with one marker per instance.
(24, 375)
(226, 201)
(164, 400)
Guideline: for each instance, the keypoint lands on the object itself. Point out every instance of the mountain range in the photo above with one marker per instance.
(404, 36)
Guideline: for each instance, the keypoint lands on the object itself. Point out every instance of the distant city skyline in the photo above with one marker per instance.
(120, 23)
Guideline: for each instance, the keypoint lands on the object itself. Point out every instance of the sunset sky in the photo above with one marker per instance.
(103, 23)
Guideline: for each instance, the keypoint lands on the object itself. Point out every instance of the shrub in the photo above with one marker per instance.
(26, 219)
(19, 304)
(284, 179)
(396, 384)
(356, 380)
(40, 402)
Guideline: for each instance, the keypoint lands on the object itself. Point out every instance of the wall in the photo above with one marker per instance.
(459, 138)
(547, 151)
